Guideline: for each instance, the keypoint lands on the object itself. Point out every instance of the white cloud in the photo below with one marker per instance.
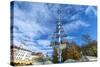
(76, 16)
(75, 25)
(26, 21)
(91, 10)
(44, 42)
(70, 37)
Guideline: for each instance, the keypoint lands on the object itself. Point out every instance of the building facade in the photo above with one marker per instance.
(20, 56)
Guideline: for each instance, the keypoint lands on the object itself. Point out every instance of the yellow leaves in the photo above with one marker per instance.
(72, 52)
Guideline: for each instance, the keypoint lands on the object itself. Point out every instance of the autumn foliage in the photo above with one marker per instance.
(55, 54)
(70, 52)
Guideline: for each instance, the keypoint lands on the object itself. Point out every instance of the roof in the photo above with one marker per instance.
(13, 46)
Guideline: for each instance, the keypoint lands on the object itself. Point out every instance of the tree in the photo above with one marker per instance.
(86, 38)
(90, 49)
(72, 52)
(94, 47)
(55, 56)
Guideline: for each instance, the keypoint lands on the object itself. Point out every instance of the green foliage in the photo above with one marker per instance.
(90, 49)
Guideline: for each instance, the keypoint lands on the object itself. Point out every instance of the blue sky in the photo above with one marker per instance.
(34, 23)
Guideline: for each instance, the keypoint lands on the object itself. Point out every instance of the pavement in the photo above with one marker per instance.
(91, 58)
